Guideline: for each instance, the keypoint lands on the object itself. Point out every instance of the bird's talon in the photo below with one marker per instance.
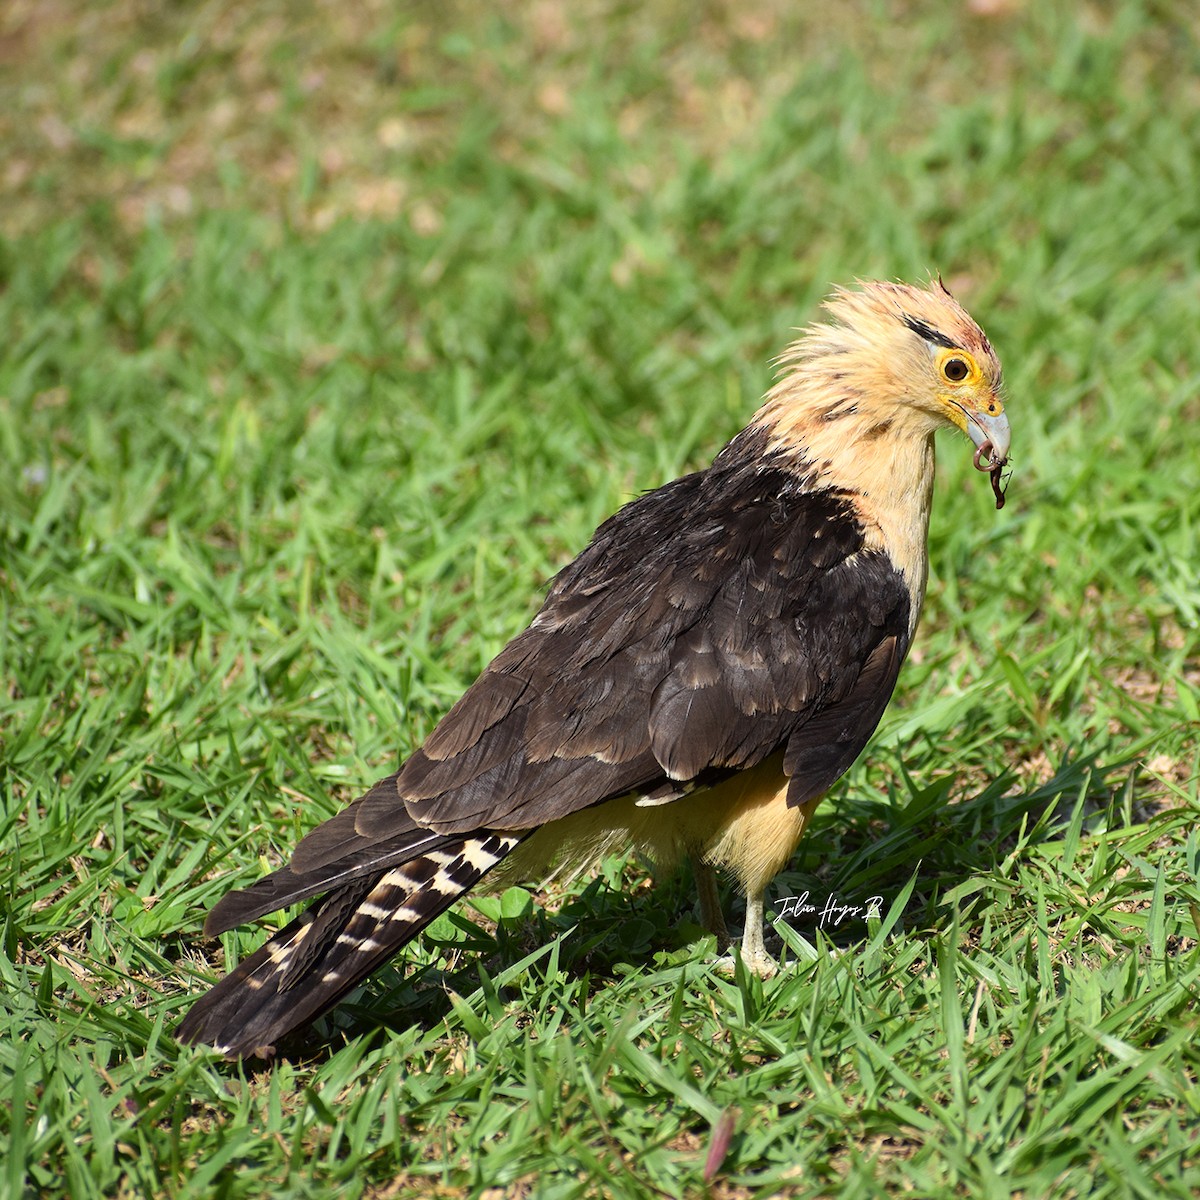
(764, 967)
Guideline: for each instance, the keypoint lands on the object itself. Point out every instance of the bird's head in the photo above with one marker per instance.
(895, 363)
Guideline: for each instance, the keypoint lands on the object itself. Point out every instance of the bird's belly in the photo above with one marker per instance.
(742, 825)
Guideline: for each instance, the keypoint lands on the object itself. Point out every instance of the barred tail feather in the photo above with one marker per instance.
(291, 884)
(308, 966)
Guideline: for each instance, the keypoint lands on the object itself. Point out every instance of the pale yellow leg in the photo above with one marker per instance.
(754, 953)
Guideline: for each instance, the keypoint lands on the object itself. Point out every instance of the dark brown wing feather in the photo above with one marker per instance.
(706, 626)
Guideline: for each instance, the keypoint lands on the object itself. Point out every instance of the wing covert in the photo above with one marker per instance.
(706, 626)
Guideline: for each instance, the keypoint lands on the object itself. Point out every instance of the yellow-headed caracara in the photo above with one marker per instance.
(695, 682)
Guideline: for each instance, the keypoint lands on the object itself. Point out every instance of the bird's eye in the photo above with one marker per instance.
(956, 369)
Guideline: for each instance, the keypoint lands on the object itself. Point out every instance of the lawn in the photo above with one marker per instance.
(331, 332)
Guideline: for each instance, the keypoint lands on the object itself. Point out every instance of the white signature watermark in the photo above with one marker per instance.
(832, 912)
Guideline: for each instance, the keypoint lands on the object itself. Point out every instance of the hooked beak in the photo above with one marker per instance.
(991, 436)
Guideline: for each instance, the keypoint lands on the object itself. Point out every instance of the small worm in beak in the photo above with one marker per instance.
(994, 467)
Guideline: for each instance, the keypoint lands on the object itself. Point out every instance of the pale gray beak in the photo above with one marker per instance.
(984, 429)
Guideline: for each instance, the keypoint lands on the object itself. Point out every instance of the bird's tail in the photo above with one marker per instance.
(316, 959)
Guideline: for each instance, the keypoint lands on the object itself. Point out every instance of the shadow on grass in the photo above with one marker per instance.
(854, 851)
(607, 928)
(861, 853)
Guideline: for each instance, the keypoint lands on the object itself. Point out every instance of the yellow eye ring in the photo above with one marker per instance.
(957, 367)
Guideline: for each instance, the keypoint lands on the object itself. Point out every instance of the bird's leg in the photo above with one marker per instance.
(754, 953)
(711, 916)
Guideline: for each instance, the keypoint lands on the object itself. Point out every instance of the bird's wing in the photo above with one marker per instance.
(707, 625)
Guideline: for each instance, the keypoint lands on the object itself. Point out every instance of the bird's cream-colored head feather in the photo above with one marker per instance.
(896, 363)
(861, 396)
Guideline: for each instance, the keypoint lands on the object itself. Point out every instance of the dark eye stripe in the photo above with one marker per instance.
(924, 330)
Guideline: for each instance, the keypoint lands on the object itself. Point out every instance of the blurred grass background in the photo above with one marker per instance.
(331, 332)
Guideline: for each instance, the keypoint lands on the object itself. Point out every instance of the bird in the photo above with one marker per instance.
(695, 682)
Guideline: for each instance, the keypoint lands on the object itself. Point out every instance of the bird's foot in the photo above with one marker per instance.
(762, 965)
(753, 954)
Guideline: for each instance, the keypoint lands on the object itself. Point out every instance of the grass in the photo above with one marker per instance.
(330, 335)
